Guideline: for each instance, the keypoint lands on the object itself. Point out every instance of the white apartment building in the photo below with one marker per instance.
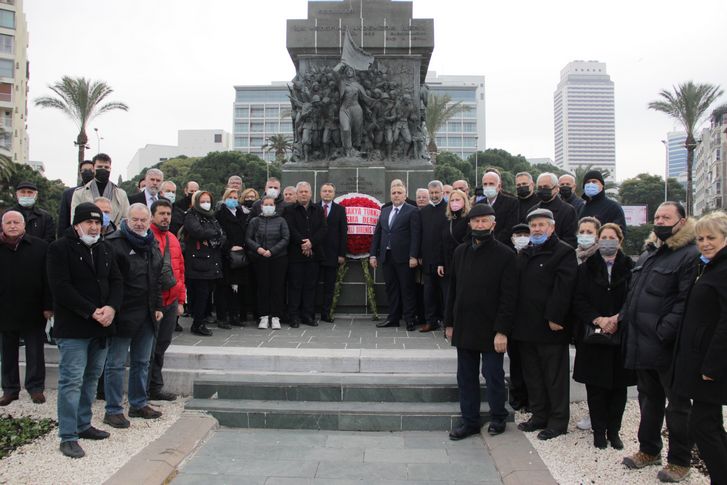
(13, 81)
(584, 117)
(710, 165)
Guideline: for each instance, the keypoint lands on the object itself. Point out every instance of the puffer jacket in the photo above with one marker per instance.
(203, 243)
(179, 291)
(654, 307)
(269, 233)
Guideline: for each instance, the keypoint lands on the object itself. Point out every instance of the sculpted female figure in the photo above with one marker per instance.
(350, 112)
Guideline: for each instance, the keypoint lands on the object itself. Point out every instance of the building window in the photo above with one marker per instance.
(257, 112)
(469, 127)
(7, 19)
(6, 92)
(242, 141)
(7, 44)
(256, 127)
(218, 138)
(272, 112)
(454, 127)
(241, 127)
(6, 68)
(271, 127)
(242, 112)
(468, 142)
(256, 142)
(286, 127)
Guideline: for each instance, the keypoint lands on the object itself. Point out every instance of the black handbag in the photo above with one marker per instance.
(167, 280)
(594, 335)
(238, 259)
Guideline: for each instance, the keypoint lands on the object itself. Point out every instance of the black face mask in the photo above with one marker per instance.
(545, 194)
(565, 192)
(248, 203)
(664, 232)
(162, 228)
(523, 192)
(102, 175)
(86, 176)
(481, 234)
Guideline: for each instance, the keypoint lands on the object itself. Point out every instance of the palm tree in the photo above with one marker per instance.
(581, 170)
(688, 104)
(80, 99)
(7, 168)
(280, 145)
(439, 110)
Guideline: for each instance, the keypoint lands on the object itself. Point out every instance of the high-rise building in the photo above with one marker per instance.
(710, 165)
(13, 81)
(263, 110)
(585, 132)
(676, 154)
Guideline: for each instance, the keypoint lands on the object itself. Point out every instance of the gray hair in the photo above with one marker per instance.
(12, 212)
(169, 182)
(552, 176)
(101, 199)
(524, 174)
(154, 171)
(435, 184)
(499, 180)
(234, 177)
(567, 175)
(290, 187)
(300, 184)
(138, 205)
(422, 190)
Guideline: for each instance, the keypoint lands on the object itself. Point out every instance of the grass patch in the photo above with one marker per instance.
(16, 432)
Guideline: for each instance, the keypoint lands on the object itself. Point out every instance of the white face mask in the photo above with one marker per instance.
(170, 196)
(271, 192)
(88, 240)
(586, 240)
(520, 242)
(268, 210)
(205, 206)
(490, 192)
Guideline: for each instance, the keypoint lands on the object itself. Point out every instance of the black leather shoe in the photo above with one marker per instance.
(201, 330)
(462, 432)
(387, 323)
(178, 327)
(615, 440)
(530, 425)
(94, 434)
(162, 396)
(223, 325)
(72, 449)
(549, 434)
(294, 323)
(310, 323)
(518, 405)
(327, 319)
(210, 320)
(410, 326)
(599, 440)
(496, 427)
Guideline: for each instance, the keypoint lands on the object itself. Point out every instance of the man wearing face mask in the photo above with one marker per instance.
(548, 271)
(567, 184)
(38, 222)
(507, 209)
(185, 203)
(104, 205)
(518, 390)
(525, 188)
(85, 169)
(478, 320)
(653, 312)
(102, 186)
(433, 218)
(566, 222)
(168, 191)
(272, 189)
(87, 291)
(597, 204)
(152, 188)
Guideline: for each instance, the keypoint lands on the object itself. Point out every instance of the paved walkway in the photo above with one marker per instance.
(289, 457)
(346, 332)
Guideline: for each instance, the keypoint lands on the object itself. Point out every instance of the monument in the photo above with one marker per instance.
(358, 99)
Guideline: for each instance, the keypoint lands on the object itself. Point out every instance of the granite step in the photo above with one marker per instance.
(342, 416)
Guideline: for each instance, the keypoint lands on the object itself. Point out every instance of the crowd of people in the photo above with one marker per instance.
(527, 274)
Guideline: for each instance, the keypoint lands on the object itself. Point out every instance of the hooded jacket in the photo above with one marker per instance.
(654, 307)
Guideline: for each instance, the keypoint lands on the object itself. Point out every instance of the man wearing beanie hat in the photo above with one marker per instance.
(38, 222)
(478, 320)
(548, 271)
(87, 290)
(597, 204)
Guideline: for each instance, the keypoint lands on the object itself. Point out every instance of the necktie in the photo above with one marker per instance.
(325, 210)
(393, 216)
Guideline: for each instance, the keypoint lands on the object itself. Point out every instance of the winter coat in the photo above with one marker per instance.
(269, 233)
(654, 307)
(479, 307)
(604, 209)
(82, 280)
(454, 232)
(526, 205)
(38, 222)
(595, 296)
(177, 222)
(305, 223)
(433, 218)
(178, 292)
(566, 221)
(547, 278)
(702, 344)
(24, 290)
(576, 202)
(119, 201)
(141, 271)
(64, 211)
(235, 227)
(203, 243)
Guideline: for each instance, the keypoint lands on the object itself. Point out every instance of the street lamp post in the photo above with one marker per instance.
(477, 149)
(98, 140)
(666, 169)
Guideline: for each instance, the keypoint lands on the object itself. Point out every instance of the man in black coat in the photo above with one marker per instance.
(395, 246)
(478, 320)
(87, 290)
(548, 270)
(653, 315)
(526, 197)
(85, 168)
(38, 222)
(169, 191)
(434, 217)
(306, 250)
(272, 188)
(507, 208)
(566, 221)
(597, 204)
(567, 192)
(140, 262)
(24, 308)
(334, 246)
(152, 188)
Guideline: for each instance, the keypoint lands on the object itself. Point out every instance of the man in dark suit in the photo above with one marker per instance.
(566, 221)
(64, 211)
(507, 207)
(154, 178)
(396, 246)
(334, 246)
(433, 217)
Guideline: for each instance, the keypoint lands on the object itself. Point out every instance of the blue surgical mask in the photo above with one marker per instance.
(538, 239)
(704, 259)
(106, 219)
(592, 189)
(232, 203)
(446, 199)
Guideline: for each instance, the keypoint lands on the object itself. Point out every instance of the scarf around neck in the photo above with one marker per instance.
(139, 243)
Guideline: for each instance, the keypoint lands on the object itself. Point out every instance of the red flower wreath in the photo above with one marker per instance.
(362, 213)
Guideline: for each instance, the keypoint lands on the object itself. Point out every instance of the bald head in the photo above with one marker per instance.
(13, 224)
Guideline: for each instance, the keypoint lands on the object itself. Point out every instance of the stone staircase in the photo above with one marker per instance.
(332, 401)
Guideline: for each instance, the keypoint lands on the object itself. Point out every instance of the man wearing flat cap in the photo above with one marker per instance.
(38, 222)
(547, 275)
(87, 289)
(478, 320)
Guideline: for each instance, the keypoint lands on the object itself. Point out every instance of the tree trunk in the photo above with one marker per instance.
(691, 145)
(81, 141)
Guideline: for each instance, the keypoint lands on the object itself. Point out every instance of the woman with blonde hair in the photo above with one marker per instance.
(454, 233)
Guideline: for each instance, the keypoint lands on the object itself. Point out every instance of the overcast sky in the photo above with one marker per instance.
(175, 62)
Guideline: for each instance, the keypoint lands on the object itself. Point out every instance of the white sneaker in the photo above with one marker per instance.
(275, 324)
(263, 322)
(584, 424)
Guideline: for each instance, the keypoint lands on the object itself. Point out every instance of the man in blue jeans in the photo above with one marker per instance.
(140, 263)
(87, 288)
